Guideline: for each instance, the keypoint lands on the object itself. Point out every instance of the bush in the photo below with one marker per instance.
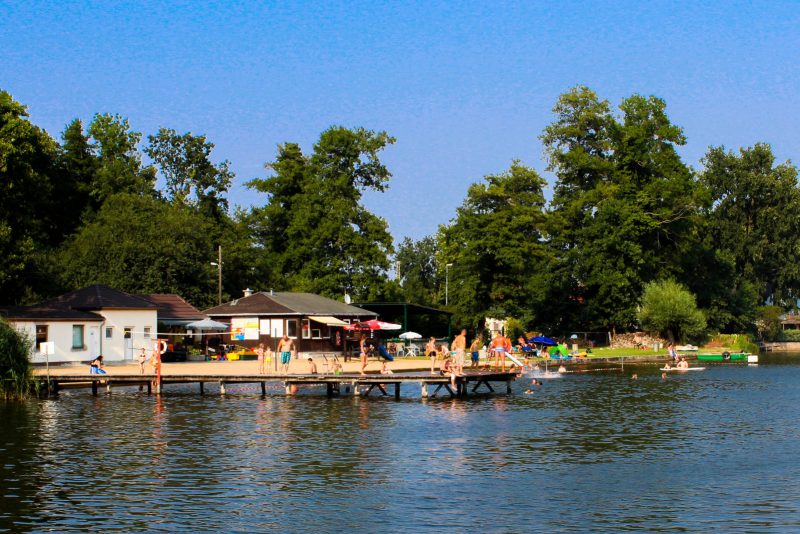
(670, 310)
(790, 335)
(16, 377)
(736, 342)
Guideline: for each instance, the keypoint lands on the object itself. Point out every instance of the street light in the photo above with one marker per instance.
(218, 265)
(447, 282)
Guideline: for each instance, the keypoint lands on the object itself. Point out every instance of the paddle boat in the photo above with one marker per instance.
(724, 357)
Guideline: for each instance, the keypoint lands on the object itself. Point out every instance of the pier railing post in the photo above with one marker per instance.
(424, 390)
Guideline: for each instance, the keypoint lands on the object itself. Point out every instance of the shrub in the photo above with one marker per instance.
(16, 377)
(790, 335)
(670, 310)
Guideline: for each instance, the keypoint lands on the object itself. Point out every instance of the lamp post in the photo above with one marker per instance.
(447, 282)
(218, 265)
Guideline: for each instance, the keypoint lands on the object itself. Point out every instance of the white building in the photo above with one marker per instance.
(88, 322)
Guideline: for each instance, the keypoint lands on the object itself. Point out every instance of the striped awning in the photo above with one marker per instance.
(327, 319)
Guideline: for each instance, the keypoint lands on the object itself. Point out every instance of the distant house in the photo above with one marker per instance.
(314, 322)
(88, 322)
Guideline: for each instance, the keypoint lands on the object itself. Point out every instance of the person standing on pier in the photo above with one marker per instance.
(142, 360)
(260, 354)
(285, 346)
(460, 347)
(430, 350)
(475, 350)
(501, 345)
(362, 356)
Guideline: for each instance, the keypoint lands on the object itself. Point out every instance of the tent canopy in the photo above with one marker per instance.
(207, 324)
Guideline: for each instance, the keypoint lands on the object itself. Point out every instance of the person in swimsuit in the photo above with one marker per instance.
(285, 348)
(475, 349)
(500, 345)
(460, 348)
(430, 350)
(142, 360)
(96, 366)
(362, 345)
(260, 354)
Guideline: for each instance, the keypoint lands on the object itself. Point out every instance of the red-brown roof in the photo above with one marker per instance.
(173, 307)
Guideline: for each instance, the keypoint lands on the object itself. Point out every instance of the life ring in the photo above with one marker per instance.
(726, 355)
(161, 346)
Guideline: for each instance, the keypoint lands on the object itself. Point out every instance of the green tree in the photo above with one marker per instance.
(623, 210)
(419, 275)
(119, 167)
(28, 213)
(495, 246)
(315, 229)
(671, 310)
(752, 220)
(140, 244)
(77, 173)
(191, 178)
(16, 376)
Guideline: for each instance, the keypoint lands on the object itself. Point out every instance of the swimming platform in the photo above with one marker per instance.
(340, 384)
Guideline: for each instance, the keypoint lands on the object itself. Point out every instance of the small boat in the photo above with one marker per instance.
(683, 369)
(724, 357)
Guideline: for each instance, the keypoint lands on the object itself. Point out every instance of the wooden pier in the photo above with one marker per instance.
(335, 384)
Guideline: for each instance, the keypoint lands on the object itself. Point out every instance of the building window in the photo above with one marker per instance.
(77, 336)
(127, 332)
(147, 332)
(306, 328)
(291, 328)
(41, 334)
(109, 332)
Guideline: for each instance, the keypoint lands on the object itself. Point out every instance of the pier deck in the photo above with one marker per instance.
(333, 383)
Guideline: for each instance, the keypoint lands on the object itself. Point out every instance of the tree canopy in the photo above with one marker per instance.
(632, 237)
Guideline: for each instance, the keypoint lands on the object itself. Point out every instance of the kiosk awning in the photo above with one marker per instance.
(327, 319)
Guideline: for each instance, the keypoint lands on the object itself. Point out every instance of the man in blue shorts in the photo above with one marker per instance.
(285, 346)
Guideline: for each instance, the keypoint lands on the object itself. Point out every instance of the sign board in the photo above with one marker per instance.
(244, 328)
(47, 348)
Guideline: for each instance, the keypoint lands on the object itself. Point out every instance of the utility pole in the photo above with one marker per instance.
(218, 263)
(447, 282)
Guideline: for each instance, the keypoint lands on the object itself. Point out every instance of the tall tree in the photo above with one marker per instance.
(77, 173)
(120, 167)
(752, 219)
(495, 246)
(27, 168)
(418, 271)
(191, 178)
(624, 206)
(319, 234)
(141, 244)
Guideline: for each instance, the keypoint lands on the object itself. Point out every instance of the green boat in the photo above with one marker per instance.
(724, 357)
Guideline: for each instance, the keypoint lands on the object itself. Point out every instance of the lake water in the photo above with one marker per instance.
(713, 450)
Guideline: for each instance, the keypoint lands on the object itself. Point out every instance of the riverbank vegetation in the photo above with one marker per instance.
(105, 204)
(16, 377)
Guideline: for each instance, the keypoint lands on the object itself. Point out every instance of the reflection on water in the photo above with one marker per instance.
(591, 451)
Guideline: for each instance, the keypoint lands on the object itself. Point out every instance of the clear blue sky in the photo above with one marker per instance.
(465, 87)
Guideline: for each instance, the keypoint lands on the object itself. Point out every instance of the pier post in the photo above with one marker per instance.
(397, 391)
(222, 388)
(149, 388)
(108, 386)
(263, 388)
(329, 389)
(94, 387)
(202, 387)
(424, 390)
(508, 387)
